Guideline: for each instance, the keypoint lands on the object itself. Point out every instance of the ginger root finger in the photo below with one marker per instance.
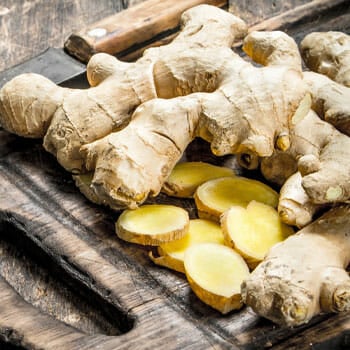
(305, 274)
(102, 65)
(133, 163)
(215, 273)
(330, 100)
(272, 48)
(295, 207)
(321, 155)
(31, 105)
(28, 103)
(320, 152)
(328, 53)
(152, 224)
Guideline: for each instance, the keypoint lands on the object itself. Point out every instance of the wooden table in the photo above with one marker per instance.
(67, 281)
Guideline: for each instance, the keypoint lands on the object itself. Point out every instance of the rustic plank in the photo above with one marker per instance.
(121, 282)
(78, 239)
(46, 291)
(131, 29)
(333, 333)
(253, 12)
(30, 27)
(303, 14)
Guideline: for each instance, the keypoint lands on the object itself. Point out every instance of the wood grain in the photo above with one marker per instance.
(68, 282)
(81, 242)
(132, 28)
(150, 305)
(303, 14)
(255, 12)
(30, 27)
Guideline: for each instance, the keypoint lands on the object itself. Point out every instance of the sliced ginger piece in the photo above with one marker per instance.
(215, 196)
(187, 176)
(253, 230)
(152, 224)
(172, 254)
(215, 273)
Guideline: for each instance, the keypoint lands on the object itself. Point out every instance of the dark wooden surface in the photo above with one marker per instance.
(256, 11)
(68, 282)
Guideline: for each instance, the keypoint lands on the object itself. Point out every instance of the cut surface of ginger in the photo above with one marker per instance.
(152, 224)
(172, 254)
(214, 197)
(187, 176)
(253, 230)
(215, 273)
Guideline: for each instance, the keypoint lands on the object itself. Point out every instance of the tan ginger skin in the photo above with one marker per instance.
(195, 86)
(293, 283)
(328, 53)
(212, 93)
(315, 169)
(317, 157)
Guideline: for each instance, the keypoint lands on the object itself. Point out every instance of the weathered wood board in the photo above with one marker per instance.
(30, 27)
(68, 282)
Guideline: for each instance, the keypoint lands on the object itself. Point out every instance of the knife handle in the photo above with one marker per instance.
(134, 29)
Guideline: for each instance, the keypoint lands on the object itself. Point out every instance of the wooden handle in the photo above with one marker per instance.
(131, 29)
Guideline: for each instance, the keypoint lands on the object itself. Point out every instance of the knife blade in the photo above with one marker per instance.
(125, 34)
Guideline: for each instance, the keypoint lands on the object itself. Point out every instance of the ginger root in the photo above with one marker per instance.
(318, 151)
(122, 137)
(306, 274)
(131, 127)
(330, 100)
(328, 53)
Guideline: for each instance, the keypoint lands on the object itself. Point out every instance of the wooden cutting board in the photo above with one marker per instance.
(68, 282)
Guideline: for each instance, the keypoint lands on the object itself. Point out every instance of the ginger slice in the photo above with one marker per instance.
(215, 273)
(187, 176)
(216, 196)
(253, 230)
(172, 254)
(152, 224)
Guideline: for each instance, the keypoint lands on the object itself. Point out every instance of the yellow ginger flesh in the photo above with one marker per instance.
(253, 230)
(152, 224)
(187, 176)
(172, 254)
(215, 273)
(214, 197)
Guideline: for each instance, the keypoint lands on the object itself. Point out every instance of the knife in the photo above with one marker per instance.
(125, 34)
